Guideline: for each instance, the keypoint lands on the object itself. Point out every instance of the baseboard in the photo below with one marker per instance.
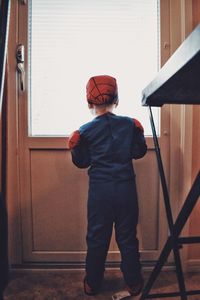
(26, 267)
(193, 265)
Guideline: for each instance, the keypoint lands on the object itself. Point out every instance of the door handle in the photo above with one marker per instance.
(20, 66)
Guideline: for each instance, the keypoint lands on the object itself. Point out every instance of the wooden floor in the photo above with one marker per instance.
(67, 285)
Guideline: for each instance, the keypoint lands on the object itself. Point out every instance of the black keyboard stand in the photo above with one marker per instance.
(174, 242)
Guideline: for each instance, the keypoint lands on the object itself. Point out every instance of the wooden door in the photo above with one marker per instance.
(53, 193)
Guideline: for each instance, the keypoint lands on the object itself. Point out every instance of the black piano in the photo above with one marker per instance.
(178, 82)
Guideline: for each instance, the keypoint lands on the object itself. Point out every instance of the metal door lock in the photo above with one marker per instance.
(20, 66)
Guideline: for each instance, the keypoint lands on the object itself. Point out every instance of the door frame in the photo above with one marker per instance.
(179, 18)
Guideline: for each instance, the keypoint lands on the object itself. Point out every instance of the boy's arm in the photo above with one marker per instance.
(139, 147)
(79, 150)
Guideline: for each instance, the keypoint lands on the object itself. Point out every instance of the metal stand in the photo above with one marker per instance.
(174, 242)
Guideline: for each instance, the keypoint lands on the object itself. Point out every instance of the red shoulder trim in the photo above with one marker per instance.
(138, 125)
(73, 140)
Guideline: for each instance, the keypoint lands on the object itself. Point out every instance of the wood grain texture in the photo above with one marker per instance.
(194, 229)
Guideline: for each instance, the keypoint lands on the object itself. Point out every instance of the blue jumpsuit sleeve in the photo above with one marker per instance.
(81, 155)
(139, 146)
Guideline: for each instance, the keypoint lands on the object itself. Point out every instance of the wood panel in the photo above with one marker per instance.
(58, 207)
(148, 196)
(59, 193)
(12, 163)
(194, 250)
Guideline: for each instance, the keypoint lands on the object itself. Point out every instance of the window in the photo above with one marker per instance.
(72, 40)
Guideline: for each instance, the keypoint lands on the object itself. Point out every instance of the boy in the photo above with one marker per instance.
(107, 145)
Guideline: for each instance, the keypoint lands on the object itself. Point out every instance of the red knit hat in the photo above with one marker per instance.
(102, 89)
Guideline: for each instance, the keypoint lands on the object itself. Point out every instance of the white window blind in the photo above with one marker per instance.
(72, 40)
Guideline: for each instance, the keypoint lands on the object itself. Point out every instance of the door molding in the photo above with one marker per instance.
(12, 163)
(177, 14)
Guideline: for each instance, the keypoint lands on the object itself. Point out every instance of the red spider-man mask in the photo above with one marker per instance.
(102, 89)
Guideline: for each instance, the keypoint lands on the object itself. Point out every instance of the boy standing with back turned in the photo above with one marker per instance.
(107, 146)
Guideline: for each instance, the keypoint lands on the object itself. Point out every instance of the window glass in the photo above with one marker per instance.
(72, 40)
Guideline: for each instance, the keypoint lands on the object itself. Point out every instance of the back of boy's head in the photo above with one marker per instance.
(102, 90)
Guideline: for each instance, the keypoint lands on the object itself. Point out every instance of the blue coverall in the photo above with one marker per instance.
(107, 146)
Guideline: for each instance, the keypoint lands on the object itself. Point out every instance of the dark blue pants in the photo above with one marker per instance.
(112, 203)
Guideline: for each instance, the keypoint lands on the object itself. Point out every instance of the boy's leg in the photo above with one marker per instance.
(100, 223)
(126, 219)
